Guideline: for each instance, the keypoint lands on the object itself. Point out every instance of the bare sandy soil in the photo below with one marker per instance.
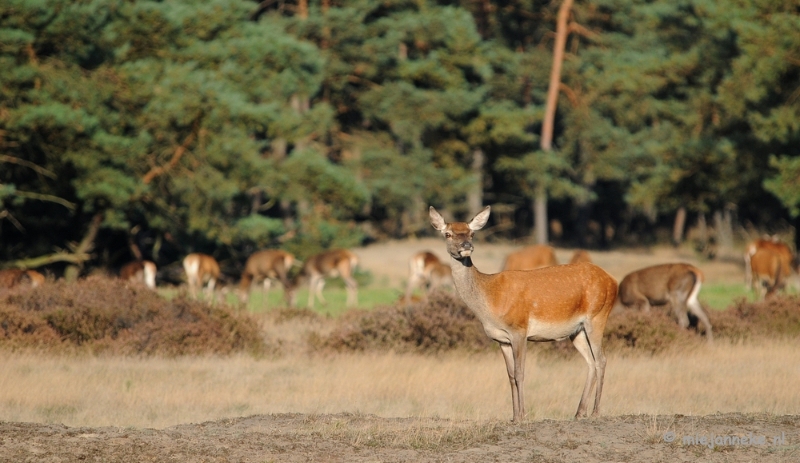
(359, 438)
(346, 437)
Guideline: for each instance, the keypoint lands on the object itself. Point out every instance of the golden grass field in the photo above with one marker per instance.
(157, 393)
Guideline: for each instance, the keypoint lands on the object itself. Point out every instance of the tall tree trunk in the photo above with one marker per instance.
(540, 216)
(678, 226)
(540, 202)
(475, 195)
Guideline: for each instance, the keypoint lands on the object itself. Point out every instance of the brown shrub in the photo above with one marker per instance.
(649, 332)
(777, 316)
(441, 323)
(101, 314)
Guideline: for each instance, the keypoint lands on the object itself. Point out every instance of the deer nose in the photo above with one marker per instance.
(466, 248)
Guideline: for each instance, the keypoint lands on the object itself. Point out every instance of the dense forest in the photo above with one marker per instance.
(157, 128)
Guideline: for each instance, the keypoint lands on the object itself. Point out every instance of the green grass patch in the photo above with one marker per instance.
(720, 296)
(336, 297)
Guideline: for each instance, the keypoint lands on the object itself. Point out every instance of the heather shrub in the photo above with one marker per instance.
(441, 323)
(777, 316)
(649, 332)
(101, 314)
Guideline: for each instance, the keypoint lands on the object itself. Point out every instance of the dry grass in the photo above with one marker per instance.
(759, 376)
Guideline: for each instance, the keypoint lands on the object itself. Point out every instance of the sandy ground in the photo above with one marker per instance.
(346, 437)
(359, 438)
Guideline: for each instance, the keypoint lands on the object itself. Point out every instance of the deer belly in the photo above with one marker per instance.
(539, 330)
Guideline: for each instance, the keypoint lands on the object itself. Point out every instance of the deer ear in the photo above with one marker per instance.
(480, 220)
(436, 219)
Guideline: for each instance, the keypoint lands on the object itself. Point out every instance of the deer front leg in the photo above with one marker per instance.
(315, 288)
(514, 356)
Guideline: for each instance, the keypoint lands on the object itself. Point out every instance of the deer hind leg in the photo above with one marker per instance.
(514, 355)
(697, 310)
(352, 291)
(590, 346)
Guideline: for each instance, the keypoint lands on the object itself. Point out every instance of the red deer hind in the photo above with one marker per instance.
(139, 271)
(769, 271)
(424, 268)
(763, 276)
(675, 285)
(329, 264)
(553, 303)
(265, 266)
(15, 278)
(201, 270)
(531, 258)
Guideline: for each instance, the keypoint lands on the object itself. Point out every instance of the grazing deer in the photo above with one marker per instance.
(328, 264)
(566, 301)
(783, 251)
(531, 258)
(266, 265)
(201, 269)
(676, 285)
(425, 268)
(139, 271)
(580, 255)
(768, 272)
(15, 278)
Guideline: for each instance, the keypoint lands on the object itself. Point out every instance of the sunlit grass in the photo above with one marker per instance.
(755, 377)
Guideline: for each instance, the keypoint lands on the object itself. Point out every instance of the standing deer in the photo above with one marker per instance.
(425, 268)
(531, 258)
(676, 285)
(140, 271)
(328, 264)
(13, 278)
(266, 265)
(567, 301)
(768, 272)
(783, 252)
(201, 269)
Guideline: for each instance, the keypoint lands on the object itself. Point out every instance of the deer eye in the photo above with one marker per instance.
(448, 235)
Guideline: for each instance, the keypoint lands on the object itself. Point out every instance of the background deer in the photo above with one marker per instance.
(265, 266)
(328, 264)
(15, 278)
(553, 303)
(531, 258)
(424, 268)
(580, 255)
(201, 270)
(783, 253)
(139, 271)
(675, 285)
(769, 271)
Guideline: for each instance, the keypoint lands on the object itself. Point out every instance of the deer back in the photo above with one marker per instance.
(657, 282)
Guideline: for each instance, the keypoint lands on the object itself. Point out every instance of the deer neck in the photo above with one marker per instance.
(467, 281)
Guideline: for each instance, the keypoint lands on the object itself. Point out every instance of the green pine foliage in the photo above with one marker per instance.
(232, 126)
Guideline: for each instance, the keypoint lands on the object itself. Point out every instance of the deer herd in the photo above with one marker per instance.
(532, 298)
